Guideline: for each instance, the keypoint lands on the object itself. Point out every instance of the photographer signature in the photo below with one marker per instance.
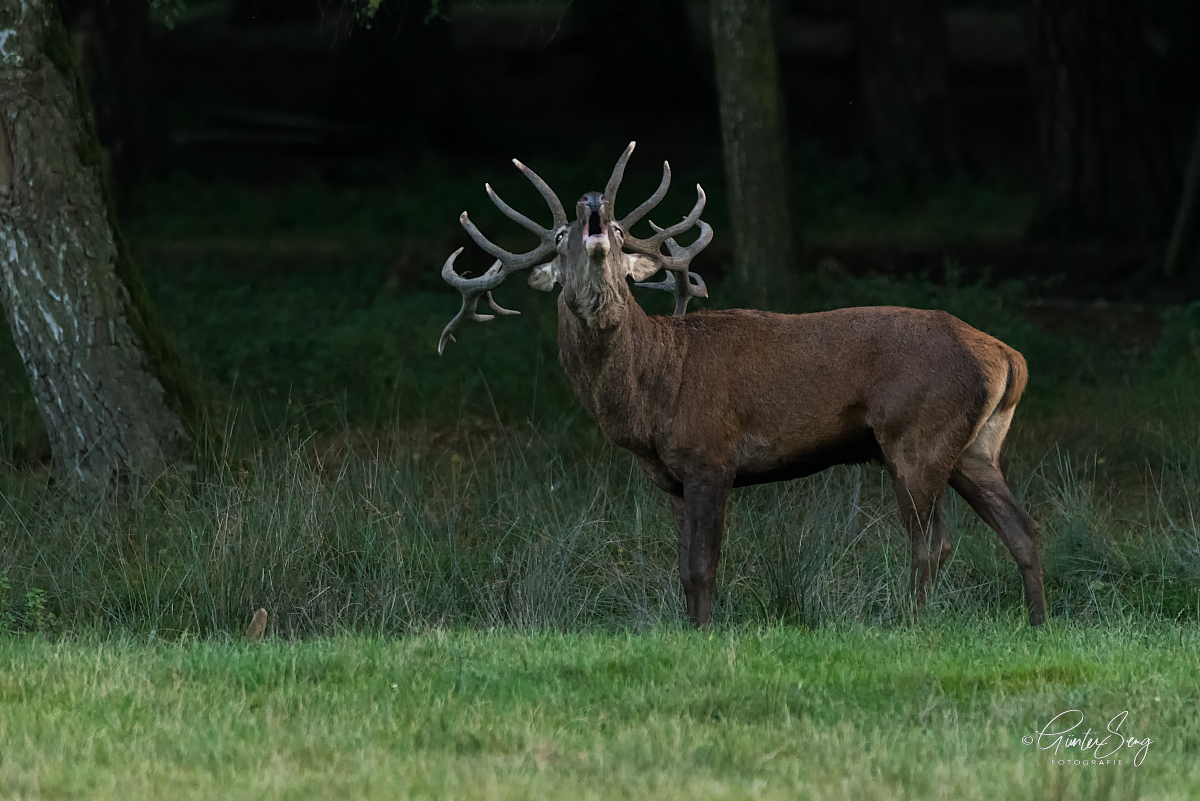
(1060, 733)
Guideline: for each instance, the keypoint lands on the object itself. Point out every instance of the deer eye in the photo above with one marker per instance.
(559, 237)
(619, 231)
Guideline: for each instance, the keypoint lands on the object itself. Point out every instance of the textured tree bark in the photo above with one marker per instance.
(78, 313)
(754, 140)
(903, 49)
(1109, 168)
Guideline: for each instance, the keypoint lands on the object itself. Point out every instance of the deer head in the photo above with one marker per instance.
(590, 258)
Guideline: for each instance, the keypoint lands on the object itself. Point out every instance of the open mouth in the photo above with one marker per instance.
(595, 228)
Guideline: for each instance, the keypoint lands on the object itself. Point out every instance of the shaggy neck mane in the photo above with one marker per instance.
(599, 299)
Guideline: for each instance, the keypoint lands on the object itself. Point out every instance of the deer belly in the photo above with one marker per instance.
(761, 460)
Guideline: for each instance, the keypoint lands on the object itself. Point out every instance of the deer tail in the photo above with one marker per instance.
(1018, 376)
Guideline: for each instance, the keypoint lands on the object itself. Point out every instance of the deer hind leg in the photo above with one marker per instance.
(977, 478)
(919, 462)
(700, 521)
(920, 501)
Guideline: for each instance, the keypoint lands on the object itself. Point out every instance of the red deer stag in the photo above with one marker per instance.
(721, 399)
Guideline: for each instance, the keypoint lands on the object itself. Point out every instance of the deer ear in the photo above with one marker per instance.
(640, 267)
(543, 277)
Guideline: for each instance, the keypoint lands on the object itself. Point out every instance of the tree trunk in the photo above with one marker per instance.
(752, 132)
(1105, 143)
(79, 315)
(110, 40)
(1183, 251)
(903, 49)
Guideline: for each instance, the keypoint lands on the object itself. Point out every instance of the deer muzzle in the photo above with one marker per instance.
(593, 220)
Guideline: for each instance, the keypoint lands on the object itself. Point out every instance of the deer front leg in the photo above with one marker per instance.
(700, 522)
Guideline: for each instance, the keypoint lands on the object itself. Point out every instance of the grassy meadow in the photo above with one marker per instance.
(934, 711)
(472, 595)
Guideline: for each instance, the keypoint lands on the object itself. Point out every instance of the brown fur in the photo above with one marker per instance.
(257, 627)
(714, 400)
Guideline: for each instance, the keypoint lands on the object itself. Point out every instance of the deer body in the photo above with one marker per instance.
(715, 400)
(773, 396)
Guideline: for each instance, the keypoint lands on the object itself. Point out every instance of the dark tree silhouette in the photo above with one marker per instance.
(754, 140)
(902, 54)
(1183, 250)
(1105, 144)
(110, 38)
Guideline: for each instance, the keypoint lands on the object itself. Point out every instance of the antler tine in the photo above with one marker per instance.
(514, 215)
(614, 180)
(691, 286)
(512, 261)
(543, 188)
(471, 289)
(641, 211)
(678, 260)
(680, 256)
(506, 262)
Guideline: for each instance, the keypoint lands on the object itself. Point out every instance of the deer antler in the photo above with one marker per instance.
(614, 184)
(692, 286)
(506, 263)
(679, 258)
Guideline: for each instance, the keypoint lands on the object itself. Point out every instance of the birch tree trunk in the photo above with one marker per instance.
(78, 313)
(755, 143)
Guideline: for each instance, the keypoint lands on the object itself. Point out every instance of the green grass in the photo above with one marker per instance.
(762, 713)
(534, 528)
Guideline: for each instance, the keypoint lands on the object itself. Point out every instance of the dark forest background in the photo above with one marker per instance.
(288, 176)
